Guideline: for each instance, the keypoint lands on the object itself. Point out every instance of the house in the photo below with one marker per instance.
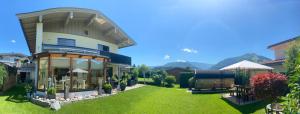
(279, 52)
(12, 59)
(74, 47)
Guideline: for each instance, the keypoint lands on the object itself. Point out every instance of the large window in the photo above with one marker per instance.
(60, 70)
(103, 47)
(80, 73)
(66, 42)
(96, 73)
(43, 74)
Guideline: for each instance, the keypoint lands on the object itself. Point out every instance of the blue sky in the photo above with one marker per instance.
(176, 30)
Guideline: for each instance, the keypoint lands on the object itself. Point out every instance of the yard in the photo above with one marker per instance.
(149, 99)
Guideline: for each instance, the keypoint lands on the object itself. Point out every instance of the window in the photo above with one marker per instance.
(66, 42)
(103, 47)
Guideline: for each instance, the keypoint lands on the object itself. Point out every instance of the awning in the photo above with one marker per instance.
(247, 65)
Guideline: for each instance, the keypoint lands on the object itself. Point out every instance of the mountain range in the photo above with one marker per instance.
(205, 66)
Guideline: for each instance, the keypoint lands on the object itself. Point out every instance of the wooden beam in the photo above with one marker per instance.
(91, 20)
(86, 57)
(71, 73)
(69, 17)
(89, 72)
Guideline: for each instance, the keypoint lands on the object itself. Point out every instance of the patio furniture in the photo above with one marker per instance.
(274, 108)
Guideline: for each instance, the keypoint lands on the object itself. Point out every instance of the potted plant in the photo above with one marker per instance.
(51, 93)
(28, 90)
(107, 88)
(123, 85)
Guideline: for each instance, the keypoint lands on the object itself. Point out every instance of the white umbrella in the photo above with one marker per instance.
(78, 70)
(246, 65)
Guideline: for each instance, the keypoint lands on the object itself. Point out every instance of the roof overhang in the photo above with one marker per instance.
(283, 42)
(64, 14)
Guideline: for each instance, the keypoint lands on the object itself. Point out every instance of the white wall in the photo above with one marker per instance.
(51, 38)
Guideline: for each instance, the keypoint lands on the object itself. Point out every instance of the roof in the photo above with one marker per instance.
(213, 74)
(246, 65)
(13, 54)
(282, 42)
(64, 15)
(274, 62)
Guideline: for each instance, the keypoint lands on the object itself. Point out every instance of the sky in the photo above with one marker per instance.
(206, 31)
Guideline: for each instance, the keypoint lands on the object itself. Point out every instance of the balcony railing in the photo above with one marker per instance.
(115, 58)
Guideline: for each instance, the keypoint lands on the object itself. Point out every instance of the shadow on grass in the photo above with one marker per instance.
(250, 108)
(15, 94)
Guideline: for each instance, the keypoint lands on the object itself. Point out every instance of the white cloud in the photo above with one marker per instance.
(188, 50)
(166, 57)
(179, 60)
(13, 41)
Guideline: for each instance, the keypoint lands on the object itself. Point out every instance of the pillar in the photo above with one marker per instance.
(39, 37)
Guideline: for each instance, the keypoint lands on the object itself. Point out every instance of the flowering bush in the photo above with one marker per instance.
(269, 85)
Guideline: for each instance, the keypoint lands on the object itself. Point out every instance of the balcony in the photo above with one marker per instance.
(115, 58)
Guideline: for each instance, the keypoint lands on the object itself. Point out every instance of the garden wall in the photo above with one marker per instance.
(214, 83)
(9, 83)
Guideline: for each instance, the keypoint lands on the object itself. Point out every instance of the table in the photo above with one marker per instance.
(277, 108)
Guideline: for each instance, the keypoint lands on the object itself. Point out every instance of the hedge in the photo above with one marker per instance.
(184, 79)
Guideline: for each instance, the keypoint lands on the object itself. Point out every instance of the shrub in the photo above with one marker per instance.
(192, 82)
(170, 80)
(51, 91)
(3, 74)
(28, 88)
(107, 88)
(269, 85)
(157, 80)
(184, 79)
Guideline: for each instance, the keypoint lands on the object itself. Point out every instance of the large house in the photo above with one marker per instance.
(76, 47)
(280, 54)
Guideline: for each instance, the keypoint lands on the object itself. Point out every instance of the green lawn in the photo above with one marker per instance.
(149, 99)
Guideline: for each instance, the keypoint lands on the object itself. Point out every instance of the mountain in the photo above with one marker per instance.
(192, 65)
(249, 56)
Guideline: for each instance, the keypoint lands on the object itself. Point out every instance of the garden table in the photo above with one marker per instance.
(277, 108)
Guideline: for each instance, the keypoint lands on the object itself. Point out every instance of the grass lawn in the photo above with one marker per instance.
(149, 99)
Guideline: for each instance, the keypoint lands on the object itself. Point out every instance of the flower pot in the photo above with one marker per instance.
(108, 91)
(123, 87)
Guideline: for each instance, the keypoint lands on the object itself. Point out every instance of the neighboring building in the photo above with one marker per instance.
(12, 59)
(279, 52)
(75, 47)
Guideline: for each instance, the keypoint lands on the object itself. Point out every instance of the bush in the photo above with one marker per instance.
(170, 80)
(107, 88)
(184, 79)
(269, 85)
(28, 88)
(192, 82)
(51, 91)
(157, 80)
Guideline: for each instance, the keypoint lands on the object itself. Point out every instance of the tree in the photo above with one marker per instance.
(292, 61)
(269, 85)
(3, 74)
(170, 80)
(135, 74)
(143, 68)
